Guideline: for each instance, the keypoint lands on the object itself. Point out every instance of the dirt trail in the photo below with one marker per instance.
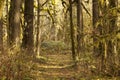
(58, 67)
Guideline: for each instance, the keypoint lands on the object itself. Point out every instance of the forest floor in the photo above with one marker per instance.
(54, 63)
(58, 66)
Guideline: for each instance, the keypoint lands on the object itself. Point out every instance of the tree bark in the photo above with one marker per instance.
(98, 46)
(1, 26)
(1, 36)
(14, 22)
(95, 7)
(79, 28)
(72, 31)
(28, 38)
(112, 53)
(38, 41)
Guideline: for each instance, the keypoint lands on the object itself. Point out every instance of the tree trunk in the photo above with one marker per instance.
(28, 38)
(14, 22)
(1, 26)
(38, 41)
(1, 36)
(98, 46)
(72, 31)
(7, 23)
(95, 7)
(79, 28)
(112, 57)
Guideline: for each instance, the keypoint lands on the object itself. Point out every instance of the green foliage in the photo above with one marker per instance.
(104, 23)
(54, 45)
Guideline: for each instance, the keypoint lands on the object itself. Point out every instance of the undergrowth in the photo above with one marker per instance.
(15, 66)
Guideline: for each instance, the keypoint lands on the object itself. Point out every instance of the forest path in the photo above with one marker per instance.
(57, 67)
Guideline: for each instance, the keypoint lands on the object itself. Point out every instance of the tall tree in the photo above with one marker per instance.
(112, 54)
(1, 25)
(72, 31)
(7, 22)
(38, 41)
(28, 38)
(95, 7)
(1, 36)
(14, 22)
(99, 48)
(79, 27)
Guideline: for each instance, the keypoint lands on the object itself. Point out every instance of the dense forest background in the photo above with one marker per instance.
(59, 39)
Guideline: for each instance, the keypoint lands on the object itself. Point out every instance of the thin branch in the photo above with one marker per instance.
(44, 3)
(86, 9)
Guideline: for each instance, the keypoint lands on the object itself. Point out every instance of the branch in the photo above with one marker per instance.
(86, 9)
(44, 3)
(75, 1)
(50, 15)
